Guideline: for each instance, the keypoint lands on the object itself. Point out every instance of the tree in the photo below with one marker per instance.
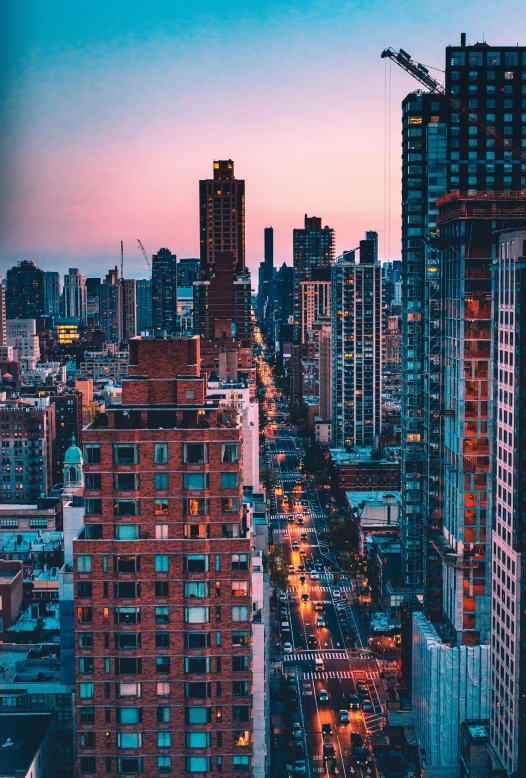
(338, 533)
(269, 478)
(278, 571)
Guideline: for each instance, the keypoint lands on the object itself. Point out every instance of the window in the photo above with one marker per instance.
(508, 75)
(493, 58)
(163, 714)
(161, 531)
(197, 615)
(228, 452)
(239, 588)
(230, 504)
(240, 613)
(128, 690)
(87, 714)
(93, 507)
(84, 589)
(240, 638)
(84, 615)
(198, 715)
(163, 689)
(88, 764)
(240, 689)
(241, 764)
(127, 531)
(229, 480)
(86, 665)
(129, 715)
(198, 690)
(129, 765)
(92, 453)
(161, 563)
(164, 764)
(162, 615)
(190, 395)
(126, 507)
(196, 589)
(93, 481)
(162, 588)
(196, 506)
(239, 561)
(125, 454)
(198, 764)
(126, 482)
(126, 564)
(162, 664)
(161, 507)
(196, 481)
(196, 563)
(84, 563)
(511, 58)
(198, 739)
(195, 453)
(125, 640)
(164, 739)
(240, 713)
(162, 640)
(85, 639)
(161, 481)
(86, 691)
(196, 531)
(160, 453)
(197, 664)
(241, 737)
(129, 739)
(127, 616)
(197, 639)
(240, 664)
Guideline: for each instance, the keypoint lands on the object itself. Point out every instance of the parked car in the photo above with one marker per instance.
(336, 593)
(356, 739)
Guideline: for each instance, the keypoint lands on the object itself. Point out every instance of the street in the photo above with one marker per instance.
(320, 613)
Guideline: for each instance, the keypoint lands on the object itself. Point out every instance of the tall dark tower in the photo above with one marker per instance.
(25, 291)
(269, 254)
(222, 218)
(164, 292)
(313, 247)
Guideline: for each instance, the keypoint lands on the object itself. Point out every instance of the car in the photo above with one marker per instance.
(336, 593)
(320, 622)
(291, 519)
(287, 648)
(297, 733)
(318, 663)
(356, 739)
(344, 716)
(300, 520)
(362, 689)
(323, 696)
(367, 706)
(283, 597)
(311, 642)
(314, 576)
(290, 568)
(304, 537)
(354, 702)
(300, 767)
(295, 545)
(304, 597)
(301, 568)
(326, 729)
(302, 579)
(303, 554)
(283, 612)
(318, 606)
(328, 751)
(361, 756)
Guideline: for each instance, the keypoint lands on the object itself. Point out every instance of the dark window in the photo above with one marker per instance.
(195, 453)
(240, 688)
(84, 589)
(93, 507)
(197, 639)
(198, 690)
(92, 454)
(240, 713)
(127, 640)
(240, 664)
(127, 564)
(162, 664)
(87, 740)
(127, 589)
(126, 482)
(93, 481)
(87, 714)
(162, 588)
(125, 454)
(162, 640)
(128, 665)
(88, 764)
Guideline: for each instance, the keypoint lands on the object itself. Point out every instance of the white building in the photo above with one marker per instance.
(22, 336)
(75, 295)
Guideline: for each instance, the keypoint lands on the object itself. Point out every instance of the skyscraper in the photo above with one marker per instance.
(188, 271)
(356, 311)
(164, 292)
(144, 305)
(52, 293)
(315, 299)
(166, 539)
(222, 218)
(373, 236)
(128, 309)
(441, 152)
(265, 277)
(110, 306)
(313, 246)
(3, 318)
(508, 591)
(269, 253)
(222, 304)
(93, 298)
(75, 295)
(25, 286)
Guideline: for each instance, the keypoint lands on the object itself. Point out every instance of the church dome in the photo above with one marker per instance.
(73, 455)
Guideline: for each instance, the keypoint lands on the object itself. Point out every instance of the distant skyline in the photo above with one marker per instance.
(112, 112)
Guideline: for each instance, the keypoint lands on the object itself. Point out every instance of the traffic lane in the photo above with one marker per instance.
(329, 714)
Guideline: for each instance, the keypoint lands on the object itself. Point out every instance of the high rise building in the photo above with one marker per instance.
(128, 309)
(265, 278)
(93, 298)
(52, 293)
(188, 271)
(28, 449)
(164, 292)
(441, 152)
(313, 247)
(269, 253)
(25, 286)
(325, 341)
(222, 218)
(144, 305)
(75, 295)
(22, 337)
(110, 306)
(356, 312)
(167, 540)
(315, 301)
(508, 541)
(222, 304)
(373, 236)
(3, 318)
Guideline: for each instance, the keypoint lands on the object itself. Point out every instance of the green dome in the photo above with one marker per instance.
(73, 455)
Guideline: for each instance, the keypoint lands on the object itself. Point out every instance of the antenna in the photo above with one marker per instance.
(122, 260)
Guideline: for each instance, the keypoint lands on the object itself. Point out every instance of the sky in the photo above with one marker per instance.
(111, 112)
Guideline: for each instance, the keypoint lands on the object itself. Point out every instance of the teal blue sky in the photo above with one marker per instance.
(112, 111)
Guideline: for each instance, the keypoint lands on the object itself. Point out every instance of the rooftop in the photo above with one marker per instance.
(363, 454)
(26, 731)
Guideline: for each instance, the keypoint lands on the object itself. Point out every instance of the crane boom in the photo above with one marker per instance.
(421, 73)
(145, 255)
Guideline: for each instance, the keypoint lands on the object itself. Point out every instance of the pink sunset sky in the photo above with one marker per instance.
(112, 112)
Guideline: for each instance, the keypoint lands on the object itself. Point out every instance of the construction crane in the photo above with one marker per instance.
(421, 73)
(145, 255)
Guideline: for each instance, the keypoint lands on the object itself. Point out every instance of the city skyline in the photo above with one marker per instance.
(101, 113)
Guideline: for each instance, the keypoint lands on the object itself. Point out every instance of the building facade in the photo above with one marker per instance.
(75, 296)
(163, 563)
(144, 305)
(188, 271)
(222, 218)
(25, 285)
(313, 247)
(110, 306)
(164, 292)
(52, 293)
(315, 302)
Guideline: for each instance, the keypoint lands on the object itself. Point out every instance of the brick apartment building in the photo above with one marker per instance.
(162, 580)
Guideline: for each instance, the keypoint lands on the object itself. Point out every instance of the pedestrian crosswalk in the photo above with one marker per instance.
(311, 655)
(326, 675)
(296, 589)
